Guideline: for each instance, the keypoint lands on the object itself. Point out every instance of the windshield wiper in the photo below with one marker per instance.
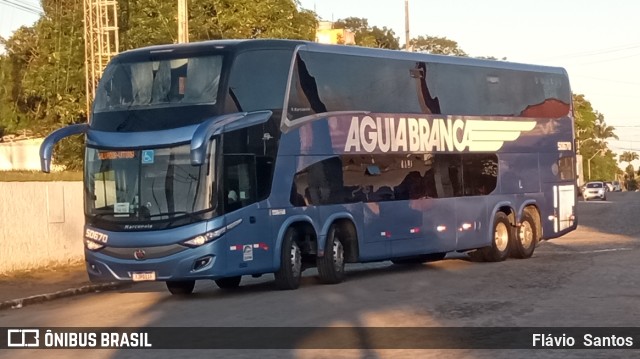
(169, 214)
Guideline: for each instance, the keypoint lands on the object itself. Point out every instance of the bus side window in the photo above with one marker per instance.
(239, 181)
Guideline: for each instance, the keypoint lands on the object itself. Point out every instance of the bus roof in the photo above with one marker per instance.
(239, 45)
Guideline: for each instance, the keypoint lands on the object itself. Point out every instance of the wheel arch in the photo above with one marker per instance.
(346, 223)
(303, 224)
(505, 207)
(532, 208)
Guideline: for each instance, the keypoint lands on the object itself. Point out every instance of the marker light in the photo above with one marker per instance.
(92, 245)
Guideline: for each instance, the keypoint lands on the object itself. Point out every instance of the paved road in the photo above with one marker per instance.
(588, 278)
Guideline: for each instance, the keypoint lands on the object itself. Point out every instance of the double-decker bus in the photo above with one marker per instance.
(221, 159)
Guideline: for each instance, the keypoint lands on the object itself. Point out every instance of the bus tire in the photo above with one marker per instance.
(331, 265)
(502, 236)
(229, 282)
(425, 258)
(526, 238)
(181, 287)
(288, 276)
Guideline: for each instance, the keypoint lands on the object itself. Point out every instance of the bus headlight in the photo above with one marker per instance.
(92, 245)
(211, 235)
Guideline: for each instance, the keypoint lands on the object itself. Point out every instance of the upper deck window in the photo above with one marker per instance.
(161, 83)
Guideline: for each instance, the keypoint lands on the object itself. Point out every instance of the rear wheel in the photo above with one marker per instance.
(499, 248)
(526, 238)
(229, 282)
(288, 276)
(182, 287)
(331, 265)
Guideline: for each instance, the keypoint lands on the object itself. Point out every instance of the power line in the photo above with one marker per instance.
(22, 6)
(594, 52)
(609, 80)
(607, 60)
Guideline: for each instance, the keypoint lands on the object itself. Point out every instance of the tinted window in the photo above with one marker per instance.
(480, 174)
(333, 82)
(258, 80)
(239, 181)
(375, 178)
(260, 141)
(566, 168)
(467, 90)
(594, 185)
(160, 83)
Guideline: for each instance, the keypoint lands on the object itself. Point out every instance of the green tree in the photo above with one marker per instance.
(601, 131)
(42, 84)
(369, 36)
(629, 156)
(152, 22)
(45, 88)
(585, 120)
(436, 45)
(592, 134)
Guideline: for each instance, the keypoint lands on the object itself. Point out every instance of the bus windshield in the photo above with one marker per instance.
(147, 185)
(161, 83)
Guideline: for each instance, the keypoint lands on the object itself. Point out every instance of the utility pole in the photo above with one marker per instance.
(406, 26)
(183, 22)
(100, 41)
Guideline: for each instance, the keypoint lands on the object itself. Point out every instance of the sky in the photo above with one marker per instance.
(596, 41)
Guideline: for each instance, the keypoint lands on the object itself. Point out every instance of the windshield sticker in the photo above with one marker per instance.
(121, 209)
(114, 155)
(148, 157)
(247, 252)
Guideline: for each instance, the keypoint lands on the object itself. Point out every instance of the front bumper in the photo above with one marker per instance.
(204, 262)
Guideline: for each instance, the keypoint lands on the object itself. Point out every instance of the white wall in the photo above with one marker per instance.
(41, 224)
(20, 155)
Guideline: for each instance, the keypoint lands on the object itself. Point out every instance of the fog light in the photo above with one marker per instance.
(202, 262)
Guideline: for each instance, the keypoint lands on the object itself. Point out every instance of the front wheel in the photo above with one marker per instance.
(288, 276)
(228, 283)
(182, 287)
(331, 265)
(526, 238)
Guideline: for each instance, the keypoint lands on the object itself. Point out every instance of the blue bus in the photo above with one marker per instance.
(220, 159)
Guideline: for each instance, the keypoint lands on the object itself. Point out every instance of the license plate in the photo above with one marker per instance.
(143, 276)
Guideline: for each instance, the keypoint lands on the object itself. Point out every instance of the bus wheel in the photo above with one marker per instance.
(526, 238)
(331, 265)
(182, 287)
(288, 276)
(228, 283)
(502, 235)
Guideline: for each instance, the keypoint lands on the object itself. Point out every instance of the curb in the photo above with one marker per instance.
(39, 298)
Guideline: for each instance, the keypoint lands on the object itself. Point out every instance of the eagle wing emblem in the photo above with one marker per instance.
(488, 136)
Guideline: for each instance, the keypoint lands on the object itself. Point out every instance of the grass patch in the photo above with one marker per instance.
(36, 176)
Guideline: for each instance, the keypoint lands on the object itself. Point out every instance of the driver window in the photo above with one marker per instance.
(240, 181)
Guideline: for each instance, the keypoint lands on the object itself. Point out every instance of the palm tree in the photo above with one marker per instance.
(601, 131)
(629, 156)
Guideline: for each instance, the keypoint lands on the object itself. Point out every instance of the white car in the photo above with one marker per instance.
(595, 190)
(616, 186)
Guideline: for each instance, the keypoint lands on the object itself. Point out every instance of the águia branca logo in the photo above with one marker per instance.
(407, 134)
